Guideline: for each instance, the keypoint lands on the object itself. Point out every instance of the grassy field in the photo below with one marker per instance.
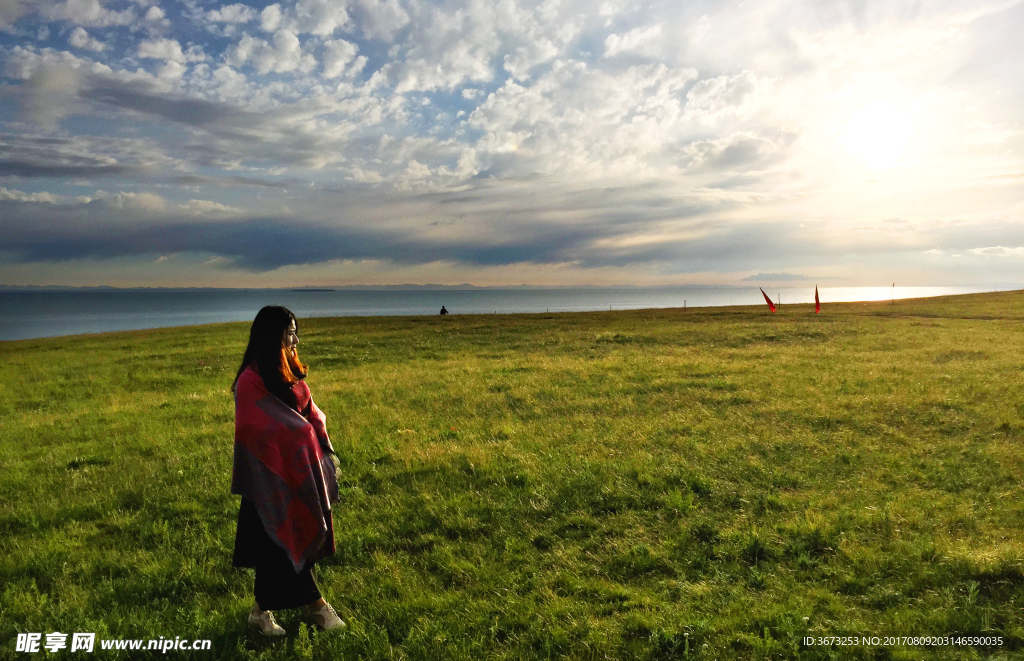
(716, 484)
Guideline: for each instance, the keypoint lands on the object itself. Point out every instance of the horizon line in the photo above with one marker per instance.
(413, 286)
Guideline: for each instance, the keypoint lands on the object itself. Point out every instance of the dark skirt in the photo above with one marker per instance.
(277, 584)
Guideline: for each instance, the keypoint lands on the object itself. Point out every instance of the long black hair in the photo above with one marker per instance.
(279, 369)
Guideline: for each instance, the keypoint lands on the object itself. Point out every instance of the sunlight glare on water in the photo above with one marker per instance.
(851, 294)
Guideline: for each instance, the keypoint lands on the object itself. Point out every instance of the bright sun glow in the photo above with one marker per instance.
(878, 135)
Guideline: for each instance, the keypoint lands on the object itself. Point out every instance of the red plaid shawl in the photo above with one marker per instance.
(281, 465)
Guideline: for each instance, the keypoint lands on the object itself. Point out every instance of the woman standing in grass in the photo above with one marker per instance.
(285, 473)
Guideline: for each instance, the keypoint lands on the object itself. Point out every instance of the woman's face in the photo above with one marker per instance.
(290, 338)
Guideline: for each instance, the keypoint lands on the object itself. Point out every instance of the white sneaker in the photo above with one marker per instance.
(327, 619)
(265, 622)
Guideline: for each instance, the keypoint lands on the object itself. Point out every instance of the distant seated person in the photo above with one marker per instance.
(443, 310)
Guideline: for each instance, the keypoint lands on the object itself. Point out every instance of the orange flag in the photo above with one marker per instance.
(817, 303)
(771, 306)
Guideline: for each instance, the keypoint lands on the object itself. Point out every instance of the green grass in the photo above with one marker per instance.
(616, 485)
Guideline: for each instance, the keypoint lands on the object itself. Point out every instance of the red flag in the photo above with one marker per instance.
(817, 303)
(771, 306)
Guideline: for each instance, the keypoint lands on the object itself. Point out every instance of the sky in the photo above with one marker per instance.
(338, 142)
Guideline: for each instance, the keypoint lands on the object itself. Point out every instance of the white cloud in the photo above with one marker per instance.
(417, 170)
(156, 21)
(338, 55)
(463, 62)
(88, 13)
(582, 120)
(171, 70)
(381, 19)
(80, 39)
(223, 84)
(713, 98)
(239, 54)
(542, 35)
(237, 13)
(998, 251)
(270, 18)
(52, 81)
(365, 176)
(208, 208)
(467, 166)
(741, 151)
(641, 41)
(375, 19)
(162, 49)
(19, 196)
(12, 10)
(147, 203)
(284, 55)
(526, 57)
(319, 17)
(607, 9)
(450, 48)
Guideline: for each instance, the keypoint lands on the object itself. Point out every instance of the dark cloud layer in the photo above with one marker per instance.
(25, 169)
(193, 112)
(102, 230)
(589, 237)
(204, 180)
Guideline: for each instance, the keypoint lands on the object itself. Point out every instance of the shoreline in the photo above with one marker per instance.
(681, 309)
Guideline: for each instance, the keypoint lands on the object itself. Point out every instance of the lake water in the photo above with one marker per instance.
(32, 314)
